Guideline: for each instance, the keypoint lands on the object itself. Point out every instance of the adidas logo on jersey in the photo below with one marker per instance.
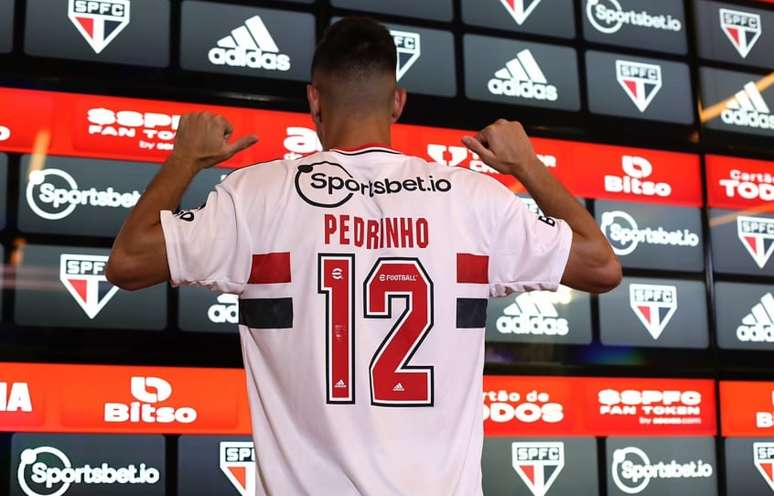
(757, 236)
(640, 81)
(522, 77)
(534, 313)
(520, 9)
(251, 46)
(340, 385)
(741, 28)
(398, 388)
(758, 326)
(654, 305)
(748, 109)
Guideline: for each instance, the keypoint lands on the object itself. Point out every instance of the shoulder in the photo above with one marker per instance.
(257, 176)
(475, 183)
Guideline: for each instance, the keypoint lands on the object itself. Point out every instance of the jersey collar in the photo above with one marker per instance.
(367, 148)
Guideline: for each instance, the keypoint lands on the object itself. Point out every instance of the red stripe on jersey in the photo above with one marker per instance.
(472, 268)
(270, 268)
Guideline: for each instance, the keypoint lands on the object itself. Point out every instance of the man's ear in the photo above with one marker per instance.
(398, 103)
(313, 97)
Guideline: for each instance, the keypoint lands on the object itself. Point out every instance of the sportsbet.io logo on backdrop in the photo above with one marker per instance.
(53, 194)
(329, 185)
(48, 471)
(608, 16)
(632, 470)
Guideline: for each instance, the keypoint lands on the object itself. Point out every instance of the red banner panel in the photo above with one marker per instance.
(747, 408)
(115, 128)
(739, 183)
(112, 399)
(583, 406)
(637, 174)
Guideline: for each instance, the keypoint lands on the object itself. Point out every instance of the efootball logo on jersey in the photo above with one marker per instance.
(409, 48)
(747, 108)
(84, 277)
(654, 305)
(250, 45)
(538, 464)
(522, 78)
(763, 457)
(640, 81)
(741, 28)
(99, 21)
(757, 236)
(237, 462)
(520, 9)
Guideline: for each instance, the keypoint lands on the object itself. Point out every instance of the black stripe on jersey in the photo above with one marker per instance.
(266, 313)
(471, 313)
(363, 152)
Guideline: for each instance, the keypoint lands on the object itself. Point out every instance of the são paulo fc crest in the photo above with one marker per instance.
(99, 21)
(654, 305)
(640, 81)
(84, 277)
(520, 9)
(757, 236)
(538, 464)
(237, 462)
(763, 457)
(409, 48)
(741, 28)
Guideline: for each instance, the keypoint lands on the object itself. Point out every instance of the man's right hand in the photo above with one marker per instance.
(202, 140)
(505, 147)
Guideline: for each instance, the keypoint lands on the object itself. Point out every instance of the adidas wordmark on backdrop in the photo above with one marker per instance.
(363, 278)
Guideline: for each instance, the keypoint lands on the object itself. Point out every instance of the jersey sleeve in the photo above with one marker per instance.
(209, 247)
(529, 252)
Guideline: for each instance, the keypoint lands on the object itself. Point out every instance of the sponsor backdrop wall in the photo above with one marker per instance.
(658, 115)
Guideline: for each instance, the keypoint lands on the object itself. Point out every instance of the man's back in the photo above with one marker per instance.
(363, 278)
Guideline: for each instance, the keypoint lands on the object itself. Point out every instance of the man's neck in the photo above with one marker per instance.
(356, 133)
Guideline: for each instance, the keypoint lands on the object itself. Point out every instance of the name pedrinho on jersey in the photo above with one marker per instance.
(368, 250)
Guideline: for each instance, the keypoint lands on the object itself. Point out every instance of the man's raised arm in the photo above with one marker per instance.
(139, 256)
(591, 266)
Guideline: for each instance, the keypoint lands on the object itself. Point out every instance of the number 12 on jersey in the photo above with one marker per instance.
(392, 381)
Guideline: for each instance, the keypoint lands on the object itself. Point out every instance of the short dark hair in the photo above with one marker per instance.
(355, 47)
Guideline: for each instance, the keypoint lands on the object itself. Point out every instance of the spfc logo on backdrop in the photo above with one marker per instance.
(538, 464)
(84, 277)
(757, 236)
(520, 9)
(654, 305)
(763, 457)
(640, 81)
(99, 21)
(409, 48)
(741, 28)
(237, 462)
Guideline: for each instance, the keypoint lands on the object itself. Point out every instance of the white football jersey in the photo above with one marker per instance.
(363, 279)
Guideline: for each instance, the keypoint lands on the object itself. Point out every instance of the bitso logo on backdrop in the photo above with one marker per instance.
(5, 133)
(147, 391)
(99, 21)
(607, 16)
(636, 170)
(250, 45)
(538, 464)
(48, 471)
